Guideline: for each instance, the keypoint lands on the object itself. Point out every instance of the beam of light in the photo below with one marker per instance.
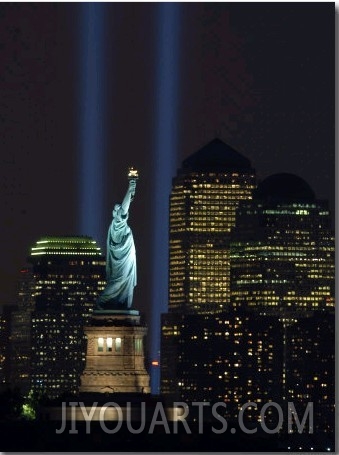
(165, 150)
(91, 120)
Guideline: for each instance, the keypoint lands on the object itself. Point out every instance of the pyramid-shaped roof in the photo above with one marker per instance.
(216, 156)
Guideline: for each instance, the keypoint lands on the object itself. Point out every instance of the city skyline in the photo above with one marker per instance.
(39, 114)
(253, 351)
(252, 273)
(257, 76)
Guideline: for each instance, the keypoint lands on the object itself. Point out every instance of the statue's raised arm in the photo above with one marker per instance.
(129, 196)
(121, 272)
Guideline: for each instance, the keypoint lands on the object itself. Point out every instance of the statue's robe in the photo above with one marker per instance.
(121, 270)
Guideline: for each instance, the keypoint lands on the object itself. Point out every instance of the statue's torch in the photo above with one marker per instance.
(132, 175)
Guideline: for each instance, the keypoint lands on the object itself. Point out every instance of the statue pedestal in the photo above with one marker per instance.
(115, 361)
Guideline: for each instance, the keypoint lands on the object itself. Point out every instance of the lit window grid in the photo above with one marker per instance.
(206, 207)
(235, 350)
(265, 274)
(308, 346)
(58, 353)
(305, 287)
(203, 204)
(70, 285)
(202, 280)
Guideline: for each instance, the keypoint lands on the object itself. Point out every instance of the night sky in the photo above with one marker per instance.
(259, 76)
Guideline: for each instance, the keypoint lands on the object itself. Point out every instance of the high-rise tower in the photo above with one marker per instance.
(5, 348)
(21, 332)
(205, 195)
(200, 337)
(69, 273)
(282, 264)
(282, 252)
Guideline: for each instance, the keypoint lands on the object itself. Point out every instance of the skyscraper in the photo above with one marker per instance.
(21, 328)
(5, 347)
(206, 347)
(282, 264)
(69, 274)
(205, 195)
(282, 250)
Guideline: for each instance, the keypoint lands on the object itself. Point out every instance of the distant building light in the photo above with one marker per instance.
(155, 363)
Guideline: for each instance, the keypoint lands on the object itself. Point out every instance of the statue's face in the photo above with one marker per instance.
(116, 210)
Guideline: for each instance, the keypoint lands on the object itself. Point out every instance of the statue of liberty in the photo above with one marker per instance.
(121, 270)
